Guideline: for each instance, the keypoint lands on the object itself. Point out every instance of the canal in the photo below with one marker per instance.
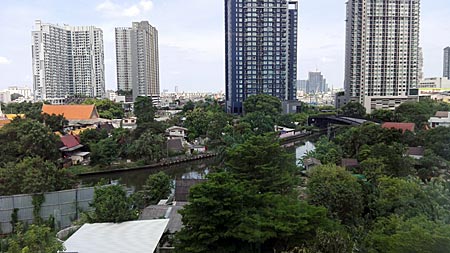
(191, 170)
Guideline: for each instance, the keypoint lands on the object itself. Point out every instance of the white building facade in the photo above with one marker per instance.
(67, 61)
(382, 52)
(137, 57)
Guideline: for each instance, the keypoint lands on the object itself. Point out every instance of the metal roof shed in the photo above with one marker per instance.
(132, 236)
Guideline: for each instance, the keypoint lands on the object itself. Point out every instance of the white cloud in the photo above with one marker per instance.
(114, 10)
(4, 60)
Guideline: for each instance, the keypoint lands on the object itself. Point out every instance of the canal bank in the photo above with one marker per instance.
(196, 169)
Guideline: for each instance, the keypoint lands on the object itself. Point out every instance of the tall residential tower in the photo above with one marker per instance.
(137, 61)
(447, 62)
(67, 61)
(261, 50)
(382, 52)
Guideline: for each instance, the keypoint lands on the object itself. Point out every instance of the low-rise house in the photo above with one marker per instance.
(399, 126)
(71, 149)
(310, 163)
(440, 119)
(416, 152)
(350, 163)
(199, 149)
(175, 145)
(176, 132)
(127, 123)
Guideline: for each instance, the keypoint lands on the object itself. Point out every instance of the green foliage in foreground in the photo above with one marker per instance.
(226, 215)
(157, 186)
(35, 239)
(251, 207)
(112, 204)
(33, 175)
(395, 234)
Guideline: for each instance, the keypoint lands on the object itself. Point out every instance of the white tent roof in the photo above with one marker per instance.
(133, 236)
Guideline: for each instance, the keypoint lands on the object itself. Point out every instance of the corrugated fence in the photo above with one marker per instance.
(64, 206)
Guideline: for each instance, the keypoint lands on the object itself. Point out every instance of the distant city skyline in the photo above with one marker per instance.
(192, 37)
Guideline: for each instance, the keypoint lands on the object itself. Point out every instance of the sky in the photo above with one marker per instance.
(191, 37)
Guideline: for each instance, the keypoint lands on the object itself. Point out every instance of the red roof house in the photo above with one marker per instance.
(70, 143)
(400, 126)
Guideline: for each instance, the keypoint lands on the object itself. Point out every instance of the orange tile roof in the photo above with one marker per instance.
(399, 126)
(72, 112)
(4, 122)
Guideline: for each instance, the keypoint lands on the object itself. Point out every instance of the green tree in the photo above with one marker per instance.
(157, 186)
(353, 109)
(402, 197)
(148, 148)
(262, 162)
(438, 140)
(227, 215)
(395, 234)
(394, 159)
(144, 110)
(383, 115)
(33, 175)
(36, 239)
(31, 110)
(90, 136)
(263, 104)
(55, 122)
(106, 108)
(260, 123)
(104, 152)
(27, 138)
(338, 191)
(111, 204)
(327, 152)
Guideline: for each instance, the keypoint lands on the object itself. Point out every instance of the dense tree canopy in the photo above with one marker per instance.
(338, 191)
(33, 175)
(36, 239)
(353, 109)
(228, 215)
(262, 162)
(396, 234)
(157, 186)
(27, 138)
(149, 147)
(144, 109)
(106, 108)
(111, 204)
(264, 104)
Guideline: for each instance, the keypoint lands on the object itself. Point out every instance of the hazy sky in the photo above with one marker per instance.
(191, 37)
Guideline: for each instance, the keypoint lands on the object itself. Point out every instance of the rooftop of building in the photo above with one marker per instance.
(399, 126)
(72, 112)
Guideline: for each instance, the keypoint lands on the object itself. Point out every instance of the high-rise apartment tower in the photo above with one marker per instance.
(382, 52)
(68, 61)
(137, 59)
(261, 50)
(447, 62)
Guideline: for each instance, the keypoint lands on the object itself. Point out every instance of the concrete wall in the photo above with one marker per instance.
(64, 206)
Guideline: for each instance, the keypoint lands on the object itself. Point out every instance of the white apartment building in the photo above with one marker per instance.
(435, 83)
(5, 96)
(137, 59)
(68, 61)
(25, 92)
(382, 52)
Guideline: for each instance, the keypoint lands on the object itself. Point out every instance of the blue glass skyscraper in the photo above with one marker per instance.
(261, 50)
